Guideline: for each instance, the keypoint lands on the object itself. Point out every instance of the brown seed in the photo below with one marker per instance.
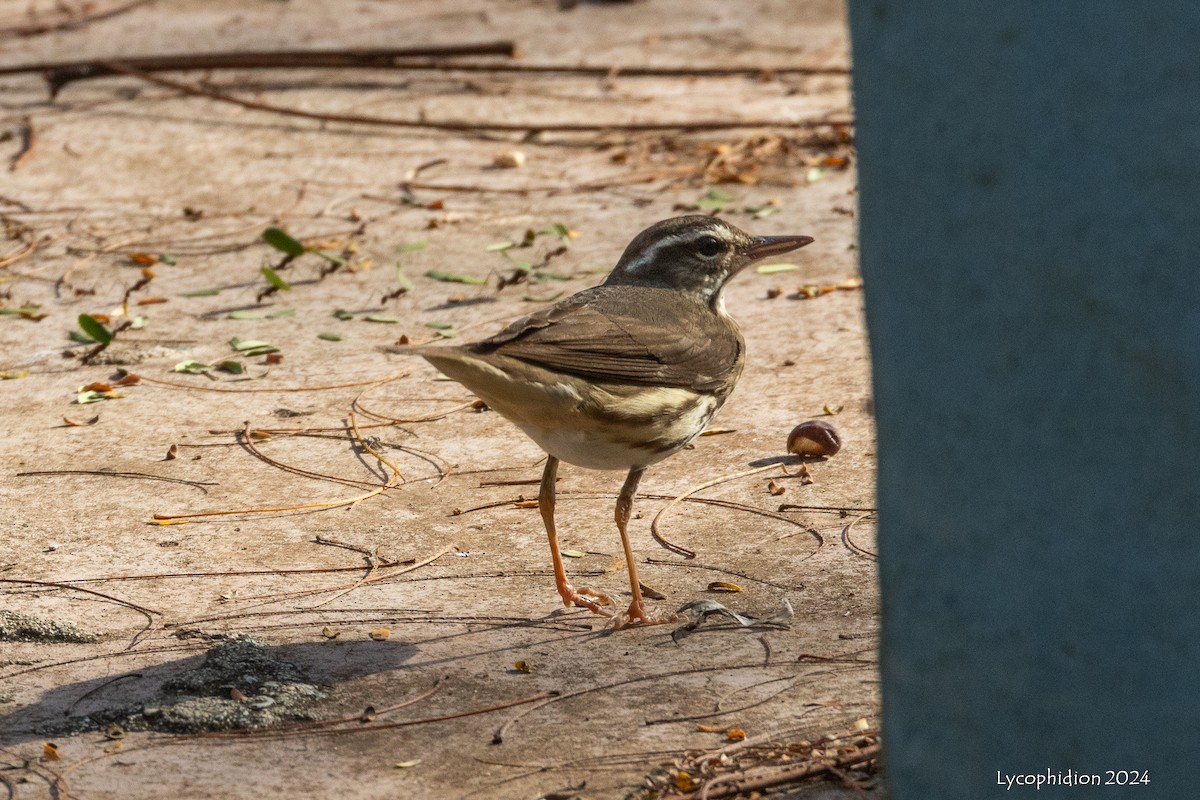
(814, 438)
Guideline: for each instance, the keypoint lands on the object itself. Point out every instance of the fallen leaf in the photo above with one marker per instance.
(523, 666)
(79, 423)
(383, 319)
(152, 301)
(330, 337)
(571, 553)
(700, 726)
(407, 764)
(50, 752)
(684, 782)
(251, 348)
(92, 327)
(192, 367)
(273, 278)
(15, 374)
(652, 593)
(735, 735)
(236, 695)
(832, 410)
(453, 277)
(114, 747)
(717, 431)
(129, 379)
(330, 633)
(114, 731)
(144, 259)
(774, 488)
(772, 269)
(282, 242)
(723, 586)
(380, 634)
(368, 714)
(172, 452)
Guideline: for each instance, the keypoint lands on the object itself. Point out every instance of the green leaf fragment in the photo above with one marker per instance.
(283, 312)
(381, 318)
(500, 247)
(283, 242)
(90, 326)
(244, 313)
(332, 258)
(573, 553)
(273, 278)
(559, 230)
(330, 337)
(139, 322)
(191, 367)
(166, 258)
(441, 326)
(343, 314)
(454, 277)
(19, 310)
(13, 375)
(232, 367)
(405, 282)
(772, 269)
(202, 293)
(90, 396)
(410, 247)
(251, 348)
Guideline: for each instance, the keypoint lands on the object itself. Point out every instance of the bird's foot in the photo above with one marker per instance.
(585, 598)
(637, 614)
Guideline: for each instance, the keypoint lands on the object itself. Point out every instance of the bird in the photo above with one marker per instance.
(622, 375)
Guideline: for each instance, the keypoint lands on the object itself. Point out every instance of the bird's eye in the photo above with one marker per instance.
(708, 246)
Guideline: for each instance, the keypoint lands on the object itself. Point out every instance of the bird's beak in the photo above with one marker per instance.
(766, 246)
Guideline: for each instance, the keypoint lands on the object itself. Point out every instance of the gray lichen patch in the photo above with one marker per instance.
(241, 685)
(17, 627)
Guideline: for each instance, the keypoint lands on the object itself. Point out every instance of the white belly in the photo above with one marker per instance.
(616, 429)
(637, 440)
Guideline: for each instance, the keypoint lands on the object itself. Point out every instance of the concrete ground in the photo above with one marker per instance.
(124, 670)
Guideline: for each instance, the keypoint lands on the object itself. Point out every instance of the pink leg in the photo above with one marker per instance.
(570, 595)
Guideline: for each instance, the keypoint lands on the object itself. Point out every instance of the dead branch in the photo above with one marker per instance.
(464, 126)
(60, 73)
(69, 21)
(412, 59)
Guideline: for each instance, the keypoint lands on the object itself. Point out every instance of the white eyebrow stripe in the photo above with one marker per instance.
(649, 255)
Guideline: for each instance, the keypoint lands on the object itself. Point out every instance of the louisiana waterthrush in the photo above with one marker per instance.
(624, 374)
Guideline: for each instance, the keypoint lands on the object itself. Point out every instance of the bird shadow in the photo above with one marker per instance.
(89, 704)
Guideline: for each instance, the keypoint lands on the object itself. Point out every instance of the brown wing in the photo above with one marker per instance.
(622, 334)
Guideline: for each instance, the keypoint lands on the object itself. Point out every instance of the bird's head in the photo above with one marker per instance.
(695, 254)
